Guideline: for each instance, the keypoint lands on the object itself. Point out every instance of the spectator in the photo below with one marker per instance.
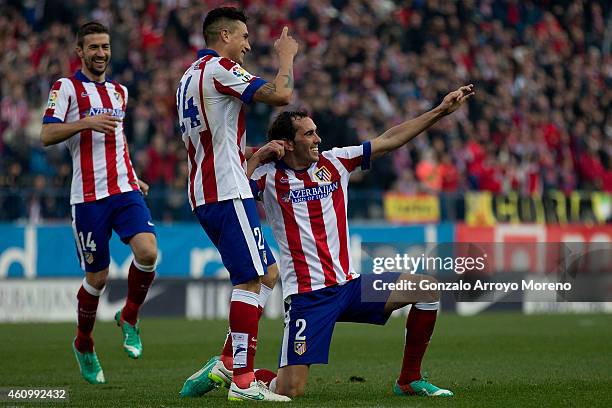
(541, 120)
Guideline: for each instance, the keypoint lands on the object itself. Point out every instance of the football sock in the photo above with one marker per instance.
(419, 328)
(265, 376)
(244, 321)
(87, 298)
(227, 352)
(140, 278)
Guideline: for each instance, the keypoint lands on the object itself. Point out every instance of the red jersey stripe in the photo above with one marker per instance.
(226, 90)
(226, 63)
(209, 178)
(86, 143)
(110, 146)
(351, 164)
(126, 150)
(240, 132)
(292, 231)
(192, 172)
(340, 210)
(317, 224)
(56, 87)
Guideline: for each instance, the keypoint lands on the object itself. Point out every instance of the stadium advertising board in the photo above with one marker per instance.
(409, 208)
(484, 208)
(39, 274)
(184, 250)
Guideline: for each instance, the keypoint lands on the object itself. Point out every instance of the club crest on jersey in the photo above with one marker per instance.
(299, 347)
(323, 175)
(52, 99)
(89, 258)
(241, 74)
(311, 193)
(119, 98)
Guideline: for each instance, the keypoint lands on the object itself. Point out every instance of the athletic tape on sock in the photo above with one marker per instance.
(244, 296)
(272, 386)
(427, 306)
(91, 290)
(144, 268)
(240, 344)
(264, 294)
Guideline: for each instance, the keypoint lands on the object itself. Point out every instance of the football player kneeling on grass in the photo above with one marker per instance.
(304, 196)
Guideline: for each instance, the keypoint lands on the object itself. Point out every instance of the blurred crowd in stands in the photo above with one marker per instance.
(541, 118)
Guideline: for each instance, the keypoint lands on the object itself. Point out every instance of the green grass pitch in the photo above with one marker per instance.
(493, 360)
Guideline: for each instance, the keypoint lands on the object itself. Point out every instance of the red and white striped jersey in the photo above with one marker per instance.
(101, 163)
(210, 101)
(307, 212)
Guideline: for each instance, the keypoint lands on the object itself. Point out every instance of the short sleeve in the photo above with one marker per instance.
(353, 157)
(258, 181)
(58, 103)
(231, 79)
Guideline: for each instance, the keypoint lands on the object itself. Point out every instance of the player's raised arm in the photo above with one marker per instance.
(279, 91)
(53, 133)
(401, 134)
(273, 150)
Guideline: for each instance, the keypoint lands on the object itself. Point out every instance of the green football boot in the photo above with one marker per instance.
(89, 365)
(131, 337)
(200, 383)
(422, 388)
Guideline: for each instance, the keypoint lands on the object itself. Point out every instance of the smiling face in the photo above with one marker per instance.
(305, 146)
(236, 37)
(95, 54)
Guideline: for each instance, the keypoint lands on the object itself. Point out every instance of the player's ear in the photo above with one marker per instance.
(289, 144)
(79, 51)
(224, 34)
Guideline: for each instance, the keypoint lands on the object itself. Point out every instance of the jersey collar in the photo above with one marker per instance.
(207, 51)
(79, 75)
(280, 164)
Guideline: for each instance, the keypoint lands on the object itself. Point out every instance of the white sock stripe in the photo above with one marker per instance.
(427, 306)
(244, 296)
(91, 290)
(144, 268)
(264, 294)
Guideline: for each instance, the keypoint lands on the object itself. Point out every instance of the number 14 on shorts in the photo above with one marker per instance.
(87, 244)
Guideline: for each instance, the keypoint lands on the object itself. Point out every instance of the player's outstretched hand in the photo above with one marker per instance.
(104, 123)
(286, 45)
(455, 99)
(273, 150)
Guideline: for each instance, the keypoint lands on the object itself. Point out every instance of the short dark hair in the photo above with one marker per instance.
(215, 18)
(91, 27)
(282, 127)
